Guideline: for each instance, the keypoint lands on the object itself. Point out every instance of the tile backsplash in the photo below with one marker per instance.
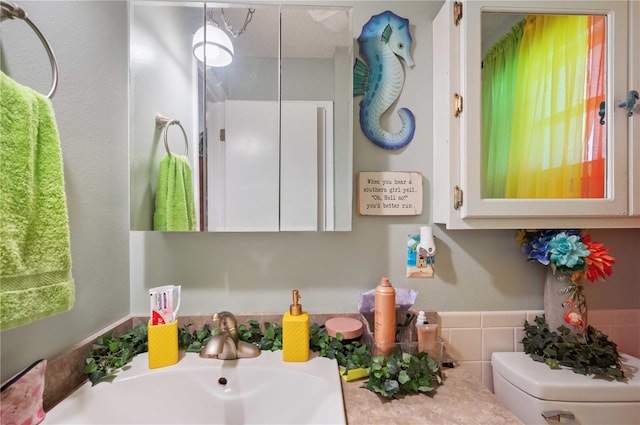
(471, 337)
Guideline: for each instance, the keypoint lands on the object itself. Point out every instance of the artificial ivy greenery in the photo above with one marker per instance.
(349, 354)
(400, 373)
(403, 373)
(195, 341)
(109, 354)
(588, 354)
(270, 339)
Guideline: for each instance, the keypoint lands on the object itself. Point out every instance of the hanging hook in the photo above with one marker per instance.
(163, 123)
(632, 97)
(10, 10)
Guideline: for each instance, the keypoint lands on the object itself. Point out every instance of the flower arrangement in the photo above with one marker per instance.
(570, 252)
(572, 256)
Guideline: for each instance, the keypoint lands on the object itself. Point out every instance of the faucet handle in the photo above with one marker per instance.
(225, 320)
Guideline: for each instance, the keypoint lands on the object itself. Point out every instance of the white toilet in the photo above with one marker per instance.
(534, 391)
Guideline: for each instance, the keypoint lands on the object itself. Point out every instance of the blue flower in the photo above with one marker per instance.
(567, 251)
(537, 249)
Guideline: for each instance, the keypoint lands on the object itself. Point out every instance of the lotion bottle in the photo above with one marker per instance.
(427, 334)
(384, 330)
(295, 332)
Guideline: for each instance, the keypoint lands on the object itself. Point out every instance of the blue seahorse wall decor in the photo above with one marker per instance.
(384, 40)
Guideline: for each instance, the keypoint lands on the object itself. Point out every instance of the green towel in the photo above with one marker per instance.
(35, 256)
(175, 209)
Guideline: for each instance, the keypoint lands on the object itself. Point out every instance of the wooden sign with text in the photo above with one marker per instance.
(389, 193)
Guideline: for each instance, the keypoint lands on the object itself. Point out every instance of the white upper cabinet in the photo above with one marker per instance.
(528, 127)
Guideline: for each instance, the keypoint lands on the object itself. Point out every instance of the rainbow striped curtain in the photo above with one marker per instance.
(542, 85)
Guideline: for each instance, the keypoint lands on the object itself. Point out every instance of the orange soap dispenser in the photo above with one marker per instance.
(295, 332)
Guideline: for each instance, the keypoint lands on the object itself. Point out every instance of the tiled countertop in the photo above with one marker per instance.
(461, 400)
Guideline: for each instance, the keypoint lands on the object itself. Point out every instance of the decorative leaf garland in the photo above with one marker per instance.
(403, 373)
(400, 373)
(589, 354)
(109, 354)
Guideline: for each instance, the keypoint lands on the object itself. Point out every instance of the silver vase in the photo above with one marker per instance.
(564, 304)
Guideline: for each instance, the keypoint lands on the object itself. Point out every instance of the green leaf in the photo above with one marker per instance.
(390, 385)
(392, 367)
(90, 368)
(552, 363)
(589, 354)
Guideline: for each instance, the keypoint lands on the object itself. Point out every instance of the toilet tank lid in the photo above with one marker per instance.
(540, 381)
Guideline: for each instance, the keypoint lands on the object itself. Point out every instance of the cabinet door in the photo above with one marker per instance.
(252, 166)
(299, 166)
(478, 201)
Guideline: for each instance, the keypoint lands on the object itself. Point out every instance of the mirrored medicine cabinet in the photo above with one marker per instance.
(268, 136)
(534, 135)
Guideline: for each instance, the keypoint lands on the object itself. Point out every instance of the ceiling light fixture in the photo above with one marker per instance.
(212, 45)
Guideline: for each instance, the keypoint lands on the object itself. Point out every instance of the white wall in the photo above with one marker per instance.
(89, 40)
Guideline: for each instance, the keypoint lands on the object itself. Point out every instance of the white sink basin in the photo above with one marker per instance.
(261, 390)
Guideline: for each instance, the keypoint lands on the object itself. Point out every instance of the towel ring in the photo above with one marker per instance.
(163, 123)
(11, 11)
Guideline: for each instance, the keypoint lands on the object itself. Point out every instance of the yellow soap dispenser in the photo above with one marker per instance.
(295, 332)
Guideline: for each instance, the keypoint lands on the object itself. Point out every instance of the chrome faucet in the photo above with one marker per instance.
(226, 345)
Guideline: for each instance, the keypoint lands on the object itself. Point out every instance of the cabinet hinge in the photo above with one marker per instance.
(457, 12)
(223, 135)
(457, 197)
(457, 105)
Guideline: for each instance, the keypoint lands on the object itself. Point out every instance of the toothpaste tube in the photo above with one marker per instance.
(164, 304)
